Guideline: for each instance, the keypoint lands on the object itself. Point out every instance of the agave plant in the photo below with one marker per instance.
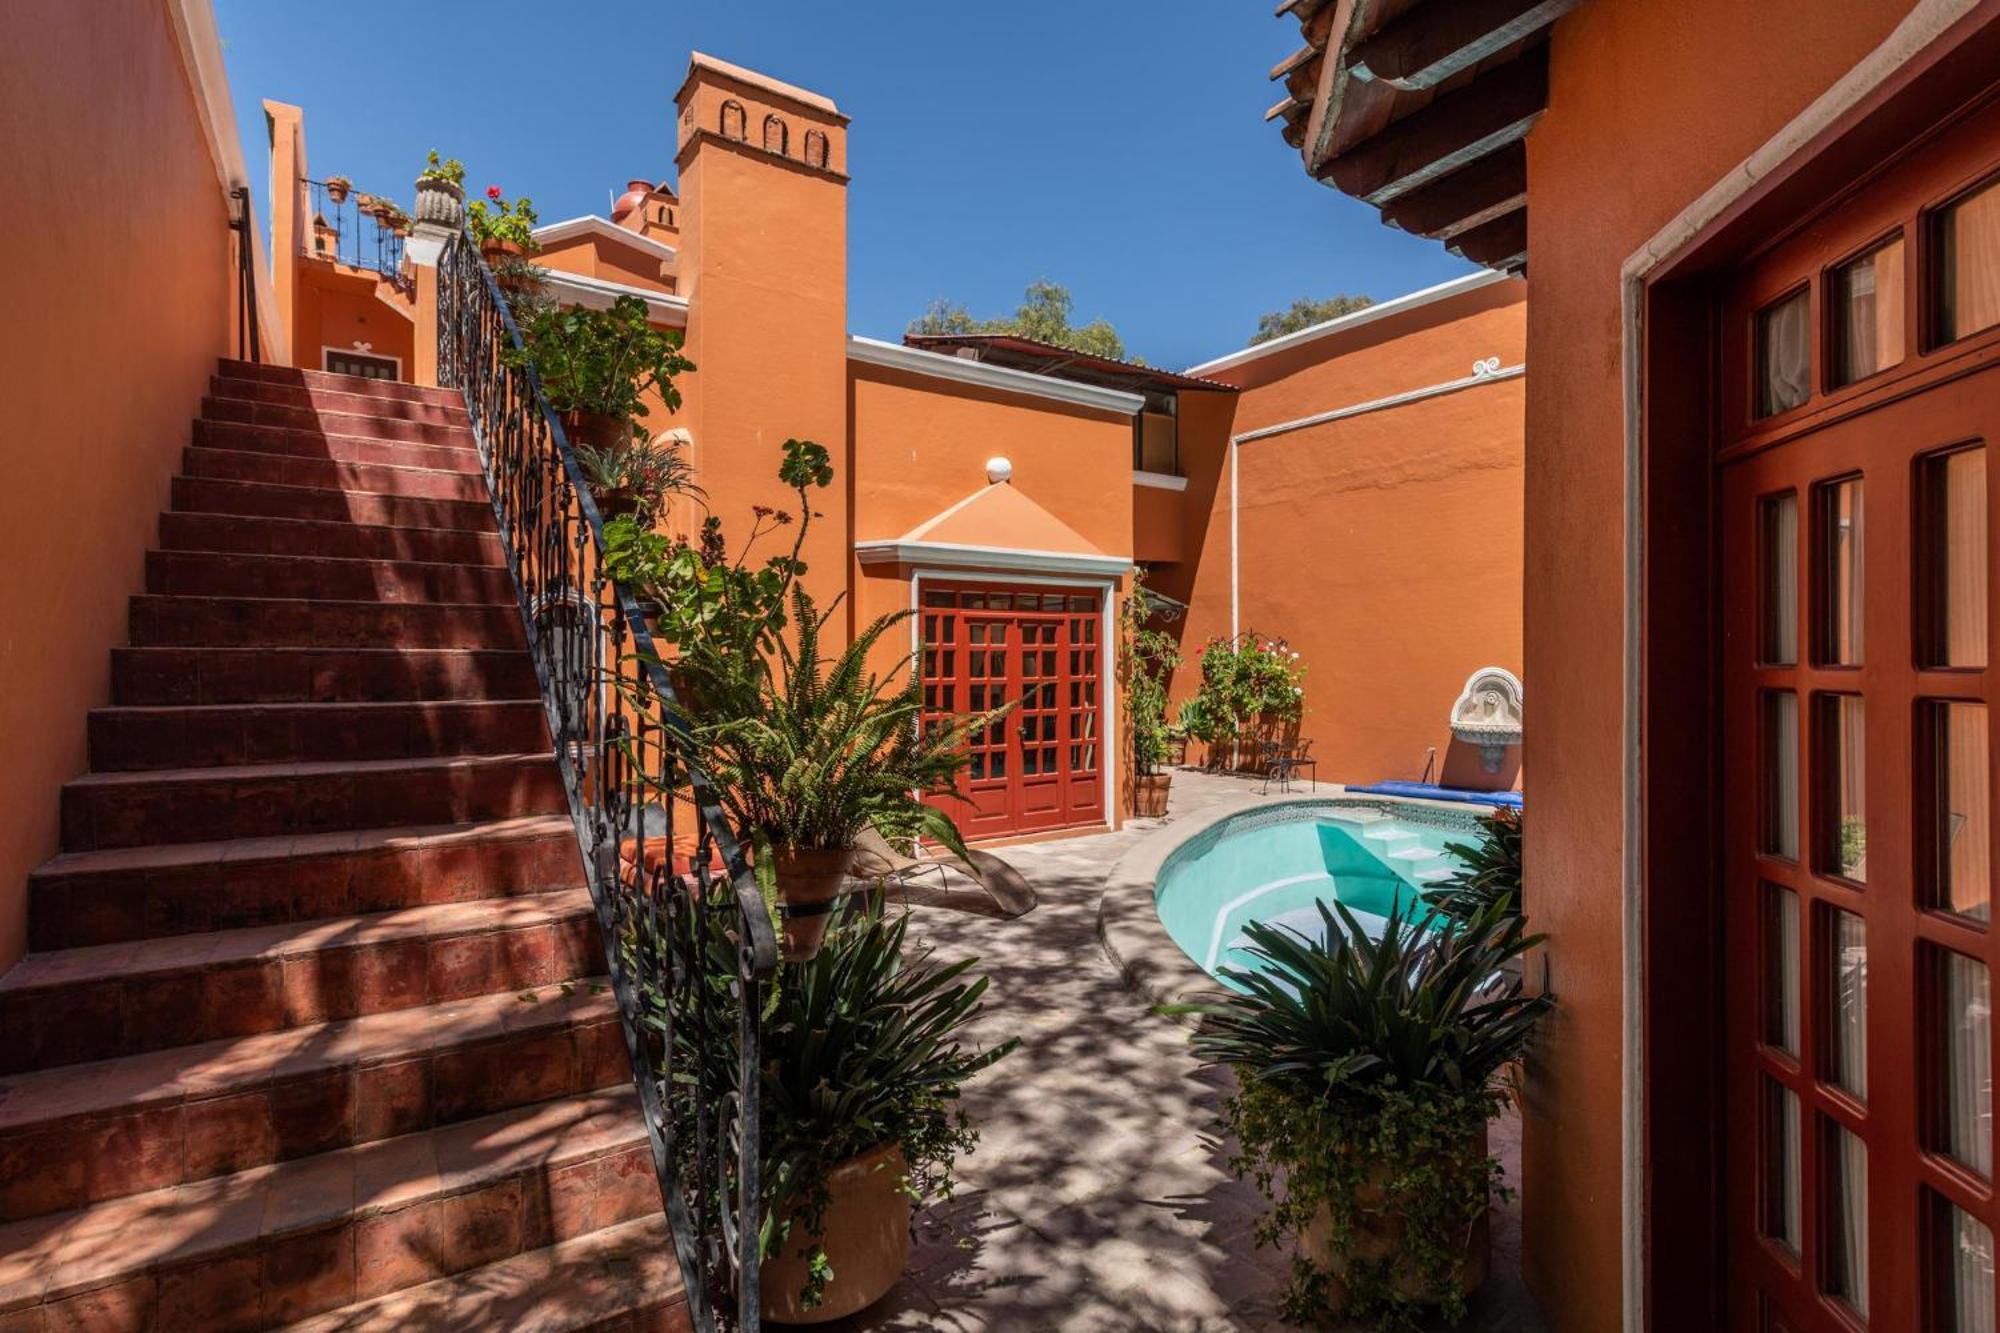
(808, 750)
(1490, 868)
(1367, 1069)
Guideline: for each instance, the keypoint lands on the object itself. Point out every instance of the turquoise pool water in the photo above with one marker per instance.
(1278, 865)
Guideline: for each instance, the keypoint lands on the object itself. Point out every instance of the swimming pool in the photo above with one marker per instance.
(1277, 865)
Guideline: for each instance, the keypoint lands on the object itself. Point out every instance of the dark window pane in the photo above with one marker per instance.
(1968, 264)
(1784, 354)
(1840, 573)
(1867, 297)
(1951, 559)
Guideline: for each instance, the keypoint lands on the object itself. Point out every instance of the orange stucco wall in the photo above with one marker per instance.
(116, 331)
(1385, 547)
(763, 258)
(341, 308)
(1663, 100)
(921, 443)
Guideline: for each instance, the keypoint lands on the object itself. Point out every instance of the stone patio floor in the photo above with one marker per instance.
(1099, 1197)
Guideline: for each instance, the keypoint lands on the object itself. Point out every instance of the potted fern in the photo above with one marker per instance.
(1367, 1070)
(806, 749)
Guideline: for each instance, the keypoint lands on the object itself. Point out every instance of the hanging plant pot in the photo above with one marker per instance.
(1149, 795)
(599, 430)
(1379, 1236)
(337, 189)
(865, 1232)
(615, 501)
(809, 880)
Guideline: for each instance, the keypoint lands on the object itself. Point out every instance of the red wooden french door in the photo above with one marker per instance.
(1042, 766)
(1857, 764)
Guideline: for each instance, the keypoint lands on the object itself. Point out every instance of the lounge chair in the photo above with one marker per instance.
(1004, 893)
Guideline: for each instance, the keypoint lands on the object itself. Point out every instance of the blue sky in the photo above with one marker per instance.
(1116, 146)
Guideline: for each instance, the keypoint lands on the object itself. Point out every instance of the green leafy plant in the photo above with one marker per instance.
(603, 362)
(450, 171)
(497, 220)
(1366, 1070)
(1489, 869)
(650, 471)
(809, 749)
(1151, 657)
(863, 1045)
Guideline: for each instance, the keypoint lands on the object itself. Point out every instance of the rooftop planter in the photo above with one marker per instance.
(441, 193)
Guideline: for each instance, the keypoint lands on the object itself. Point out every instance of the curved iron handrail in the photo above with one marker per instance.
(623, 741)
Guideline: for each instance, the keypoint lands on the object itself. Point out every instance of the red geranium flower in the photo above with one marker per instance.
(493, 193)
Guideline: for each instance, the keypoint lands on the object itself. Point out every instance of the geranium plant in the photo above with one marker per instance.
(495, 221)
(1246, 683)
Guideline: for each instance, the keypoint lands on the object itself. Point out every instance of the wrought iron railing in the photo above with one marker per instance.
(346, 231)
(249, 346)
(689, 950)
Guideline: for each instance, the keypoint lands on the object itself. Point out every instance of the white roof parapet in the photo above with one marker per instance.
(592, 225)
(599, 293)
(895, 356)
(1471, 282)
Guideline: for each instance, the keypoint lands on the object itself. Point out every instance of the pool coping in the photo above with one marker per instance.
(1129, 928)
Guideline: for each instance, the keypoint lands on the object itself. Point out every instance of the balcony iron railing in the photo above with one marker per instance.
(689, 952)
(345, 233)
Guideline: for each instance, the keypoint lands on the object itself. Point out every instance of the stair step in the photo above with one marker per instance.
(266, 1247)
(158, 676)
(111, 1000)
(81, 1134)
(125, 739)
(342, 448)
(345, 540)
(106, 810)
(325, 381)
(334, 400)
(236, 574)
(1434, 874)
(622, 1279)
(326, 474)
(359, 419)
(1416, 854)
(253, 499)
(1397, 835)
(137, 893)
(299, 622)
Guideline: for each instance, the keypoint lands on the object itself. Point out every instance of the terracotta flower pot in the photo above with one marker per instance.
(866, 1234)
(1379, 1234)
(337, 191)
(809, 879)
(495, 251)
(599, 430)
(614, 501)
(1149, 795)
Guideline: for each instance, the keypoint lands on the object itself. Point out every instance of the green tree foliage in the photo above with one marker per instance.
(1305, 313)
(1044, 315)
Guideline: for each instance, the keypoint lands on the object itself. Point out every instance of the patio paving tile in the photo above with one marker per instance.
(1100, 1196)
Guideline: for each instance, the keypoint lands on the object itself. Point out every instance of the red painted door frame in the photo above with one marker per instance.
(1686, 416)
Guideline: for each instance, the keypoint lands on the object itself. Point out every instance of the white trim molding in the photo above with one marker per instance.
(1927, 21)
(960, 556)
(1487, 371)
(193, 23)
(917, 361)
(599, 293)
(1444, 291)
(590, 224)
(1165, 481)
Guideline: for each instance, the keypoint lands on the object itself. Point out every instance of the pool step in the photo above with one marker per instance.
(1393, 835)
(1416, 854)
(1434, 874)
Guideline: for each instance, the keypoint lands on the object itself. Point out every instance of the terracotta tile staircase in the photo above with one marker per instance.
(311, 1032)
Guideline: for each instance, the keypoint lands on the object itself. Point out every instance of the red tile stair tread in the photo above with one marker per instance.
(102, 962)
(47, 1258)
(282, 848)
(360, 768)
(577, 1286)
(211, 1068)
